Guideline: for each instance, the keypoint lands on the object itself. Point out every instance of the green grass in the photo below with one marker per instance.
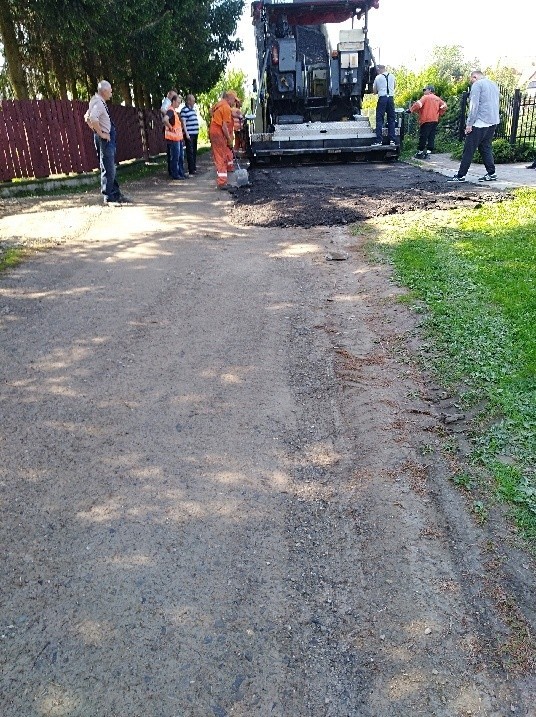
(126, 172)
(473, 273)
(10, 258)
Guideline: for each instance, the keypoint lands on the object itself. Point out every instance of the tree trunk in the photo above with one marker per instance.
(124, 89)
(138, 95)
(74, 89)
(59, 71)
(146, 97)
(16, 73)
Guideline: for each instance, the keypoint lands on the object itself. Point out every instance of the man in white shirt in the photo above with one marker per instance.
(99, 120)
(384, 86)
(480, 126)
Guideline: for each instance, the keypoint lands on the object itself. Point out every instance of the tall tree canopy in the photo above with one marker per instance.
(61, 48)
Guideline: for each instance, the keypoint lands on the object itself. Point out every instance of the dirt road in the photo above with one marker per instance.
(215, 499)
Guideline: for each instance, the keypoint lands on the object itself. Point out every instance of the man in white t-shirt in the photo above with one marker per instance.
(384, 86)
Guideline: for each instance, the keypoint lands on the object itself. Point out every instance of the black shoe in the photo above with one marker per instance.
(456, 179)
(117, 202)
(531, 166)
(420, 155)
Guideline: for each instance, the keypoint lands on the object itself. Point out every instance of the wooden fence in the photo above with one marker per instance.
(42, 138)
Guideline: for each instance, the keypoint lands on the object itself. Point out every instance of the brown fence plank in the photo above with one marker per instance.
(73, 139)
(34, 131)
(41, 162)
(44, 126)
(64, 160)
(78, 111)
(6, 161)
(48, 136)
(24, 122)
(155, 133)
(20, 142)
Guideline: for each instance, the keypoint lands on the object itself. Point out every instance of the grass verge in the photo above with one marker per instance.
(10, 258)
(473, 274)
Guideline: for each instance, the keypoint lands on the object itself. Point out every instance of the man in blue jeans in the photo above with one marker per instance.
(480, 126)
(104, 135)
(384, 86)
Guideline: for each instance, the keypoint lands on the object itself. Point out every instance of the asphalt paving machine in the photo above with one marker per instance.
(309, 95)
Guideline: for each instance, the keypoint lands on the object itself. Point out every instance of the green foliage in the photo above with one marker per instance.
(450, 64)
(143, 47)
(231, 80)
(503, 152)
(9, 258)
(506, 77)
(473, 270)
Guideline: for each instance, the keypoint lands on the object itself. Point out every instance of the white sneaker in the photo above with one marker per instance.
(376, 144)
(488, 178)
(392, 144)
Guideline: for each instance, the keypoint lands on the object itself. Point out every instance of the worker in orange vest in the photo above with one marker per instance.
(221, 137)
(174, 138)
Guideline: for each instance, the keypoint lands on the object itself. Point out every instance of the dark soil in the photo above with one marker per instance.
(329, 194)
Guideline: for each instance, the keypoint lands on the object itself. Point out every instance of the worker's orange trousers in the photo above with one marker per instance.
(222, 156)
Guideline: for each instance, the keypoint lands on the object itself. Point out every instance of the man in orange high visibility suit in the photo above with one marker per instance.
(221, 137)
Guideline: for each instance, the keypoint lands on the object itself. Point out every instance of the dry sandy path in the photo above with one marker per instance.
(213, 497)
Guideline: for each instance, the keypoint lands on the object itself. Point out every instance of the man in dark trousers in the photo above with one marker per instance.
(190, 122)
(429, 109)
(104, 136)
(384, 86)
(480, 126)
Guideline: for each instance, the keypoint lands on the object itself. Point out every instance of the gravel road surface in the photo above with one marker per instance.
(215, 500)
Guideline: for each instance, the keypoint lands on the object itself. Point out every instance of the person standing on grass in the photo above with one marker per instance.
(104, 136)
(384, 86)
(190, 122)
(429, 109)
(482, 121)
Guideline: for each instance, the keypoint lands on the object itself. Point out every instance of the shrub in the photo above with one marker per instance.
(503, 152)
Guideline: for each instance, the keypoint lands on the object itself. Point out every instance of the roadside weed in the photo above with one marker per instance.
(10, 258)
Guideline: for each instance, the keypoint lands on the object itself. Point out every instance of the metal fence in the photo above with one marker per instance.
(517, 113)
(42, 138)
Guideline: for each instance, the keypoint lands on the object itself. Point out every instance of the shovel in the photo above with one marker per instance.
(241, 176)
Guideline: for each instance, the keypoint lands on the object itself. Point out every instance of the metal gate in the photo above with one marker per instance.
(518, 117)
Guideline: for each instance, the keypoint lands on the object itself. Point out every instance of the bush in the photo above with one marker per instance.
(503, 152)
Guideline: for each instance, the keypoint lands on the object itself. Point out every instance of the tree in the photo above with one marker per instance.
(60, 48)
(450, 64)
(232, 80)
(506, 77)
(11, 49)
